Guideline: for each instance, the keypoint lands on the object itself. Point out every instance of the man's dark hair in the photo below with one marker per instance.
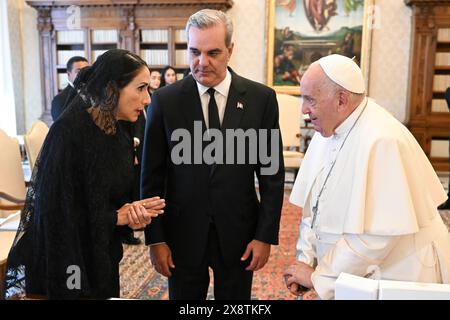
(154, 70)
(73, 60)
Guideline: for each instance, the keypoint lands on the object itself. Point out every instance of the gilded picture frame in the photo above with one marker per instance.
(301, 31)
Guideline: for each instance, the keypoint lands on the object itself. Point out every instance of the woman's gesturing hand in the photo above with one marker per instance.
(140, 213)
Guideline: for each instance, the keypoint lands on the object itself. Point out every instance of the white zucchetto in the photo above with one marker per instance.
(344, 72)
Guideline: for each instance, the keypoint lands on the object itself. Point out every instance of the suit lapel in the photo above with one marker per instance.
(71, 92)
(192, 107)
(233, 113)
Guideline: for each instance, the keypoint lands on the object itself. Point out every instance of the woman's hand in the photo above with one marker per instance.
(153, 206)
(140, 213)
(138, 217)
(122, 215)
(147, 209)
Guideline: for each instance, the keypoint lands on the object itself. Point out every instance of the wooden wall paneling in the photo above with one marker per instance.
(128, 17)
(429, 17)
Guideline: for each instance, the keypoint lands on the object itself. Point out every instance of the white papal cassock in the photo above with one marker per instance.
(378, 209)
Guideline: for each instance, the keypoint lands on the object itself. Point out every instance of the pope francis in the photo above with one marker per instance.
(368, 192)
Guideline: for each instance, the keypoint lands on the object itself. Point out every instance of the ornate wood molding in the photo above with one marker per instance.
(128, 13)
(217, 4)
(44, 20)
(427, 2)
(127, 34)
(125, 16)
(46, 36)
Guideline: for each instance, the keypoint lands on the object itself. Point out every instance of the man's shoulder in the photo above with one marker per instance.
(174, 88)
(63, 94)
(246, 83)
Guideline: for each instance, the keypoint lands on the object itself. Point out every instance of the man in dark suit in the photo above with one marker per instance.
(213, 216)
(61, 100)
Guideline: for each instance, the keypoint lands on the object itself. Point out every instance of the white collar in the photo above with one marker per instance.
(345, 126)
(70, 83)
(223, 88)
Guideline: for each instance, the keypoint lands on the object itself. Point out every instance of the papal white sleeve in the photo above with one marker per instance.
(306, 243)
(352, 254)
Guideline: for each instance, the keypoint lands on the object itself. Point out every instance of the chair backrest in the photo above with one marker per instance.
(12, 180)
(290, 119)
(34, 139)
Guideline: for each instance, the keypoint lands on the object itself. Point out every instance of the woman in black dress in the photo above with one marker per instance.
(68, 244)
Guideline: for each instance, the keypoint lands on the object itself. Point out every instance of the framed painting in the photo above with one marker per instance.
(302, 31)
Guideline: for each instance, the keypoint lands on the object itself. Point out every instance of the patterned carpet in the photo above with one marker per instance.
(140, 281)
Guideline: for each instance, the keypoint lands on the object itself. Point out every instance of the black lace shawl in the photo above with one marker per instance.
(81, 178)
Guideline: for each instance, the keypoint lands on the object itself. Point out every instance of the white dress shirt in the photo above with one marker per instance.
(221, 96)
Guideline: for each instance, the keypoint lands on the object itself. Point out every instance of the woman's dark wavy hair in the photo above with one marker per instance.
(163, 75)
(101, 84)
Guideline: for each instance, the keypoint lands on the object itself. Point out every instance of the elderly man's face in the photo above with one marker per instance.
(318, 102)
(208, 54)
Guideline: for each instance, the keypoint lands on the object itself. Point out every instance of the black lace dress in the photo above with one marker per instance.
(68, 245)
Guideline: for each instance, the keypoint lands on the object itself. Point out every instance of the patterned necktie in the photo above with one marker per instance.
(213, 113)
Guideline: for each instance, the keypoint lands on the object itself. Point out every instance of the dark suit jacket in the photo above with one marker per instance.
(137, 131)
(195, 193)
(61, 100)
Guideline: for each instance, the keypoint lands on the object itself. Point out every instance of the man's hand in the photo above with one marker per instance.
(260, 254)
(296, 289)
(310, 295)
(298, 278)
(161, 258)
